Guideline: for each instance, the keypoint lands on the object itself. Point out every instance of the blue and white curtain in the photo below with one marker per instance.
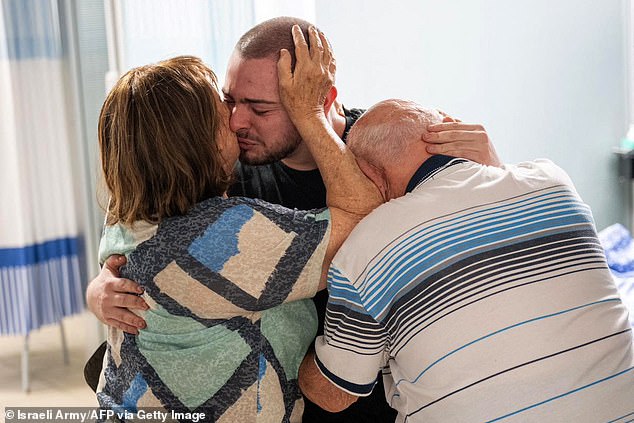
(40, 279)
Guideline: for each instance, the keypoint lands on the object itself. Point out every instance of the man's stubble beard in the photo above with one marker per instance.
(283, 150)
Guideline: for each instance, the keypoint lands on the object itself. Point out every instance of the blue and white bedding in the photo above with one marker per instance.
(619, 251)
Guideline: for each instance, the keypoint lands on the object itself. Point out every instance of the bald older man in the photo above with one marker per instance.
(481, 293)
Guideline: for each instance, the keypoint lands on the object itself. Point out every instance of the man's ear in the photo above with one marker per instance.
(330, 99)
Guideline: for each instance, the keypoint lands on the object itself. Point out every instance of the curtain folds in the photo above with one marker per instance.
(40, 280)
(154, 30)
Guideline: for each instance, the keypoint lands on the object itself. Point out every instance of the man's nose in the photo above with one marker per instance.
(239, 118)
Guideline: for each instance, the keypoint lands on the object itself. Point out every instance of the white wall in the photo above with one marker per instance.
(546, 78)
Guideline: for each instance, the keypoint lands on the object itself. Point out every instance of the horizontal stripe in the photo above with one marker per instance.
(422, 266)
(466, 275)
(499, 261)
(622, 417)
(40, 294)
(474, 214)
(336, 314)
(352, 388)
(506, 329)
(508, 261)
(472, 290)
(352, 340)
(357, 349)
(431, 230)
(364, 333)
(526, 364)
(434, 239)
(469, 225)
(376, 299)
(402, 344)
(564, 394)
(342, 293)
(358, 332)
(468, 259)
(354, 349)
(39, 253)
(408, 319)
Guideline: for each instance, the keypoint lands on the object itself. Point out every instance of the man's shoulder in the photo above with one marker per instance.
(544, 168)
(372, 234)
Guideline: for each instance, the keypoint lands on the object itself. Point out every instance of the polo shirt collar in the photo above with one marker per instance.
(429, 167)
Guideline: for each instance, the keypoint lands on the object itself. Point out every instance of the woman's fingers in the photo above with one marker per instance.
(316, 47)
(303, 91)
(284, 73)
(301, 48)
(328, 59)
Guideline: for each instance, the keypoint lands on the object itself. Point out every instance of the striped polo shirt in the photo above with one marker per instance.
(482, 295)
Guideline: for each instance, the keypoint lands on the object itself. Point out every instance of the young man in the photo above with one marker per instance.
(276, 167)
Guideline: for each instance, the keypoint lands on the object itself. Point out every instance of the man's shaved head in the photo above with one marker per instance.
(266, 39)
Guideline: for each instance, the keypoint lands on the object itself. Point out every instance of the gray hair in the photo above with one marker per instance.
(383, 134)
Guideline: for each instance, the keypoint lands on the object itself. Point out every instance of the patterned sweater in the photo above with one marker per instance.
(228, 323)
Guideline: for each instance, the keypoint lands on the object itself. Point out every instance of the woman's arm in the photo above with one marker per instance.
(307, 93)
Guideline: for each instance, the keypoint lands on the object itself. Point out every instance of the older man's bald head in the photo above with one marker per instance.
(383, 134)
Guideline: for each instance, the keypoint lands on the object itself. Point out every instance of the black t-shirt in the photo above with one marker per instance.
(279, 184)
(305, 190)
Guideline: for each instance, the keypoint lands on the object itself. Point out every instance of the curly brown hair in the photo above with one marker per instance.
(158, 132)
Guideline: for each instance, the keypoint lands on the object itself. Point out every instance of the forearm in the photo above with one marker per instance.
(350, 195)
(348, 189)
(306, 93)
(320, 390)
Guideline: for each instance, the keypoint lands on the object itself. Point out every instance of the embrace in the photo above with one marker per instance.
(458, 288)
